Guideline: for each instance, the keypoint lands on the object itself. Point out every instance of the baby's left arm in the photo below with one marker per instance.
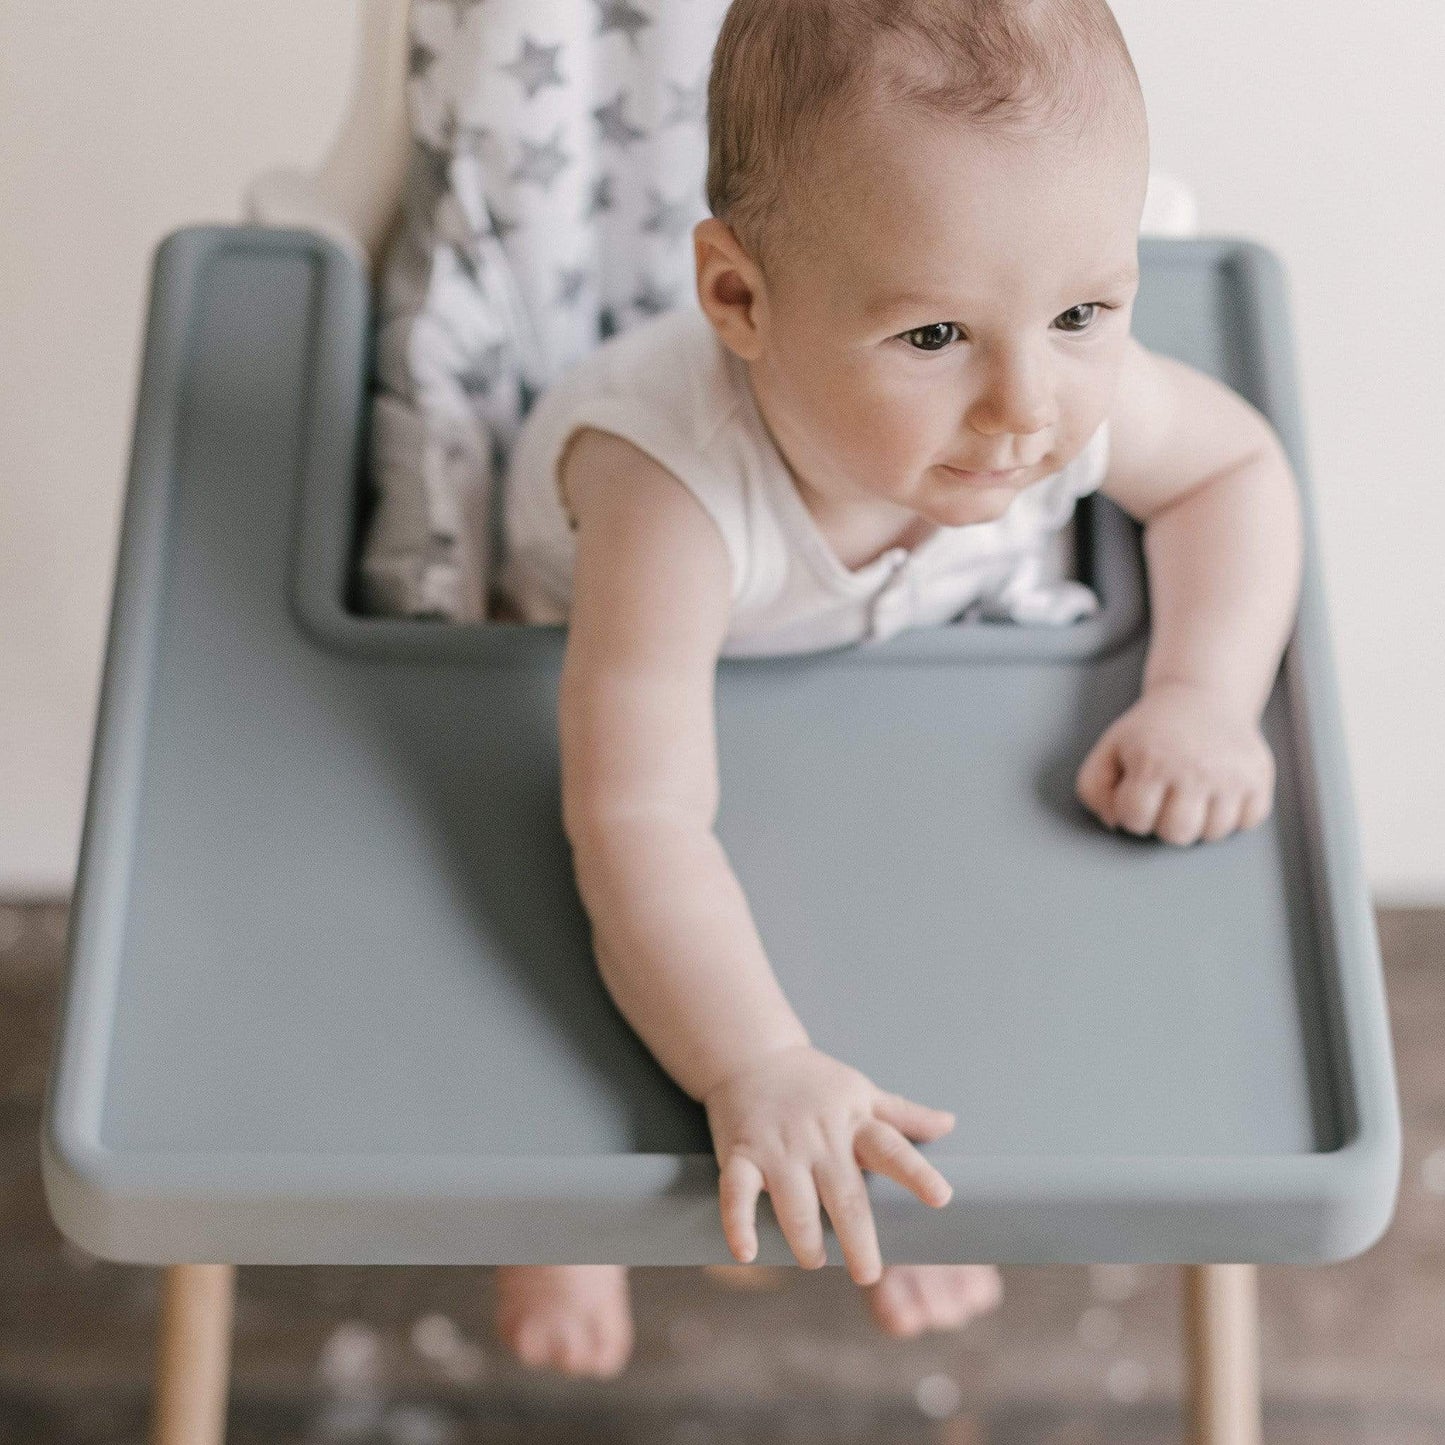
(1207, 476)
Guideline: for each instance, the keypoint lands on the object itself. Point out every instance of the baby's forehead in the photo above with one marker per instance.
(1023, 256)
(887, 128)
(900, 197)
(901, 208)
(906, 168)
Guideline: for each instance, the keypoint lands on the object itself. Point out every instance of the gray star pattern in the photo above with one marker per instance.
(486, 367)
(434, 166)
(615, 126)
(501, 227)
(419, 59)
(434, 149)
(602, 199)
(651, 299)
(619, 15)
(471, 266)
(571, 281)
(535, 67)
(462, 8)
(470, 140)
(689, 102)
(542, 162)
(672, 218)
(483, 372)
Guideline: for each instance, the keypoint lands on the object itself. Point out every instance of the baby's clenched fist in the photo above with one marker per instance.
(1182, 764)
(804, 1126)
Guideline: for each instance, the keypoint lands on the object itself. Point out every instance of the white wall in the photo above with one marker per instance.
(1316, 126)
(118, 122)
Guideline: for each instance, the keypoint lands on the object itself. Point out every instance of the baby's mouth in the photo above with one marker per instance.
(987, 479)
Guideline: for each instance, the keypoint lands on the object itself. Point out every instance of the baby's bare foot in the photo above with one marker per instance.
(912, 1298)
(575, 1318)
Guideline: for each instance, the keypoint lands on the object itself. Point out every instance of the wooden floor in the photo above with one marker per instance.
(1354, 1354)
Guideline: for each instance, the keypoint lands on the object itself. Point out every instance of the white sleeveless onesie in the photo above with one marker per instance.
(672, 388)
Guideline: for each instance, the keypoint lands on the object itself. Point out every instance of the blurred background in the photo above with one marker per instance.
(1314, 126)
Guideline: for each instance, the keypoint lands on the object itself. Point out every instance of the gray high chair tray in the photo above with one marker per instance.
(331, 997)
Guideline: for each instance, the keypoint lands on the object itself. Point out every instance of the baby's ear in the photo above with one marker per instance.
(729, 288)
(716, 234)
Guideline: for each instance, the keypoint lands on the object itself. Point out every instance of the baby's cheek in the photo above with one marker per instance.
(902, 442)
(880, 435)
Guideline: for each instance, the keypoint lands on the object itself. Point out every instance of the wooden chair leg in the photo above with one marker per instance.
(193, 1364)
(1221, 1337)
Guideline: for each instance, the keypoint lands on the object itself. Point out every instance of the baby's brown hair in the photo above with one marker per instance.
(785, 71)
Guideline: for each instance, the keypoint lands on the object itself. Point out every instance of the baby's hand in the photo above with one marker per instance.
(1182, 764)
(799, 1124)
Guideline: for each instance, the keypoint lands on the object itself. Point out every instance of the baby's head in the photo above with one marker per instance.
(924, 236)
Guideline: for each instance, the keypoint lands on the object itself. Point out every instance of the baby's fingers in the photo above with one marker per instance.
(1137, 802)
(1257, 807)
(845, 1197)
(1223, 817)
(1182, 815)
(739, 1185)
(1097, 779)
(917, 1121)
(881, 1148)
(795, 1202)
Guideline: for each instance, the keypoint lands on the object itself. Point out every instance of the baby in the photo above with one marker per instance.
(912, 355)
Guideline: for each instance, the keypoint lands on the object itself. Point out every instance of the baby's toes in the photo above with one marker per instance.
(958, 1293)
(611, 1348)
(547, 1341)
(573, 1319)
(910, 1299)
(897, 1302)
(585, 1349)
(987, 1288)
(532, 1341)
(596, 1345)
(577, 1348)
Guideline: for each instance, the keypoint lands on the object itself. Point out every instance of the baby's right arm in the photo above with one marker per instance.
(674, 937)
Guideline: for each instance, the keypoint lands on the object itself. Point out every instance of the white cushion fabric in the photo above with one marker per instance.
(559, 159)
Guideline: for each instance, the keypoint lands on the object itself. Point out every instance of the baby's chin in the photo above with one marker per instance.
(979, 504)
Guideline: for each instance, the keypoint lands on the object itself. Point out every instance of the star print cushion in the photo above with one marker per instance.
(558, 168)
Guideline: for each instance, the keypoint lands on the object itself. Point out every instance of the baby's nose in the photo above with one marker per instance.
(1017, 399)
(1012, 413)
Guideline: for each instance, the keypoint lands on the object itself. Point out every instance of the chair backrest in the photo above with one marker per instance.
(551, 156)
(355, 194)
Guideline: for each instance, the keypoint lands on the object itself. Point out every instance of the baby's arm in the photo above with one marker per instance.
(1205, 473)
(674, 937)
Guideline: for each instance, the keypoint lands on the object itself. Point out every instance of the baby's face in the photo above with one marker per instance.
(968, 308)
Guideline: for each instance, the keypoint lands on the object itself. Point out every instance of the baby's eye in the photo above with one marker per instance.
(1078, 322)
(931, 332)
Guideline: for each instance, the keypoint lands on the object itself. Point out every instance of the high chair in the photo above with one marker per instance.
(331, 998)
